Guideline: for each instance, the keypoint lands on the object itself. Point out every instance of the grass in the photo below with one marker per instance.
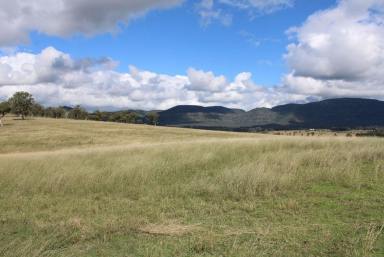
(80, 188)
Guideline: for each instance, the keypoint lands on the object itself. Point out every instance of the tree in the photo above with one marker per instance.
(97, 115)
(115, 117)
(59, 112)
(48, 112)
(153, 118)
(123, 117)
(37, 110)
(55, 112)
(78, 113)
(132, 117)
(21, 103)
(4, 109)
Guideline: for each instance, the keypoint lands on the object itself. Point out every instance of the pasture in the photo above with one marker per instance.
(82, 188)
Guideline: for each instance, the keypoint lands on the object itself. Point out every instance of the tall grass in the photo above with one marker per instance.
(245, 168)
(145, 191)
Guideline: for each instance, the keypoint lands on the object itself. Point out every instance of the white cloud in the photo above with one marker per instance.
(55, 78)
(216, 10)
(67, 17)
(260, 6)
(89, 17)
(209, 13)
(205, 81)
(339, 52)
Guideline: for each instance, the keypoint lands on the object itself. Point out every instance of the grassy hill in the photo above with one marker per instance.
(81, 188)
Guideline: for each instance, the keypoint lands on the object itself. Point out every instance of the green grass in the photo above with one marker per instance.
(78, 188)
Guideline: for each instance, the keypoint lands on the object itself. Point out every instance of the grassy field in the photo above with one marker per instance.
(80, 188)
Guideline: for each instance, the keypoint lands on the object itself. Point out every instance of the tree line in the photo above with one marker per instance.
(24, 105)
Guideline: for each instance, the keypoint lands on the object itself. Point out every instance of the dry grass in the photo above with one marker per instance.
(369, 241)
(77, 188)
(171, 228)
(50, 134)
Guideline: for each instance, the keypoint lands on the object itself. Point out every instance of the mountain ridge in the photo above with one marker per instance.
(335, 113)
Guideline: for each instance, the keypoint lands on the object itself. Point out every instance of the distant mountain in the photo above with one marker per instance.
(198, 116)
(67, 108)
(341, 113)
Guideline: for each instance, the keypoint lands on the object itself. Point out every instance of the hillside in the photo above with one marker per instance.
(343, 112)
(84, 188)
(339, 113)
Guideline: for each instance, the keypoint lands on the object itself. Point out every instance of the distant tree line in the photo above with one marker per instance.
(371, 133)
(24, 105)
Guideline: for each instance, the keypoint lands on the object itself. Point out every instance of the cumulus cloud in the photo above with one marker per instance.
(89, 17)
(339, 52)
(55, 78)
(205, 81)
(67, 17)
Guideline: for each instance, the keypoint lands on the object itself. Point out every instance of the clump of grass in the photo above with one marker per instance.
(370, 239)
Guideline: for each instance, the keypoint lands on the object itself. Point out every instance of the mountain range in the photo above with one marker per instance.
(338, 114)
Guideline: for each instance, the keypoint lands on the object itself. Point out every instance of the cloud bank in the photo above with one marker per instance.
(338, 52)
(67, 17)
(63, 18)
(54, 78)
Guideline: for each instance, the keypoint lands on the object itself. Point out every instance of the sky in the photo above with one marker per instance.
(155, 54)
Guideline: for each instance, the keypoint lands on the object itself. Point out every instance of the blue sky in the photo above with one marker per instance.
(173, 40)
(154, 54)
